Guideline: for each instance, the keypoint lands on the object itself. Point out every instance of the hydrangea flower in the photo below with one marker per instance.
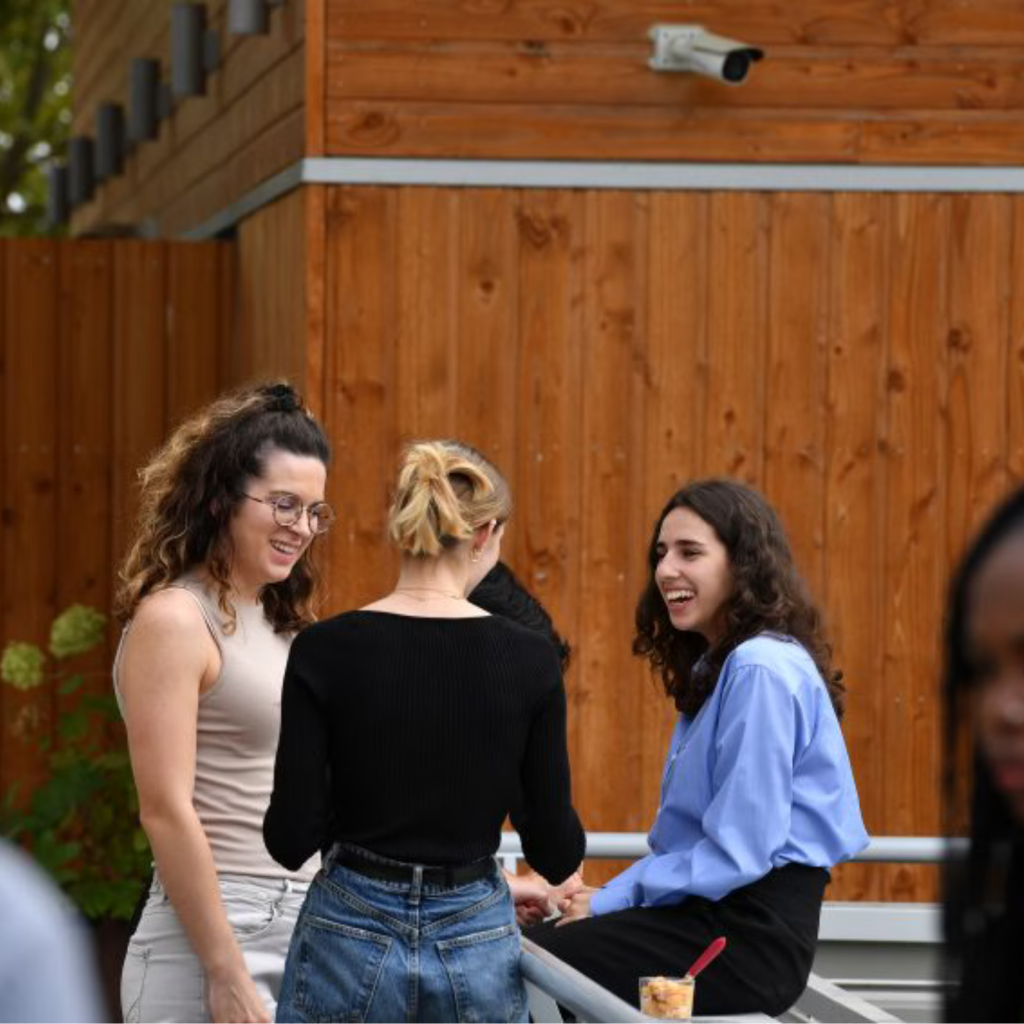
(76, 630)
(22, 665)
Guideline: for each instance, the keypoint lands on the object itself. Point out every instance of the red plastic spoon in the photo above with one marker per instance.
(707, 956)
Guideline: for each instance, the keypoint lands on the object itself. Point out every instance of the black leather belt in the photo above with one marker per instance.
(445, 875)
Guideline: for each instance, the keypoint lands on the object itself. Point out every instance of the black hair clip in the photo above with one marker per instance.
(282, 398)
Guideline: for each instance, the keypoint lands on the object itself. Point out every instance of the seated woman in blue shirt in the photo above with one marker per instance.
(757, 797)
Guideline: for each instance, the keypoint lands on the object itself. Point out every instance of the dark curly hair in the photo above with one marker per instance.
(501, 593)
(189, 491)
(768, 596)
(983, 904)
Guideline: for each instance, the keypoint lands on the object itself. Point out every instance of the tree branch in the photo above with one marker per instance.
(15, 163)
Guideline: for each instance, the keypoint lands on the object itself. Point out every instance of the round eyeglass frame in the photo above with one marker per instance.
(313, 512)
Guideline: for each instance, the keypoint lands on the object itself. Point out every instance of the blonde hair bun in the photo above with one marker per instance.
(445, 490)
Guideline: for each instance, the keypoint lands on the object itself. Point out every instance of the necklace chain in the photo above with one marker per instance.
(430, 590)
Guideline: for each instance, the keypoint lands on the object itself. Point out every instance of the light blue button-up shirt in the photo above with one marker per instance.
(757, 779)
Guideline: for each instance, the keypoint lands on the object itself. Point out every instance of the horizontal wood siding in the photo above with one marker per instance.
(214, 148)
(845, 81)
(863, 81)
(103, 346)
(856, 356)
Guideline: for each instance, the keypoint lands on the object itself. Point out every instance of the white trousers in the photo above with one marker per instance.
(162, 978)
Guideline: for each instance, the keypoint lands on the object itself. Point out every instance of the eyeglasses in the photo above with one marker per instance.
(288, 509)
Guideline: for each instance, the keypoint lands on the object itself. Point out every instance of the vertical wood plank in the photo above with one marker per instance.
(738, 264)
(315, 315)
(227, 274)
(854, 595)
(605, 701)
(1015, 358)
(637, 525)
(548, 469)
(140, 358)
(361, 375)
(270, 342)
(674, 411)
(915, 563)
(981, 248)
(84, 382)
(314, 386)
(194, 336)
(797, 374)
(30, 501)
(978, 350)
(428, 328)
(488, 354)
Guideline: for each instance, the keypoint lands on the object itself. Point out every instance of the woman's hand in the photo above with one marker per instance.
(233, 997)
(560, 894)
(576, 907)
(531, 895)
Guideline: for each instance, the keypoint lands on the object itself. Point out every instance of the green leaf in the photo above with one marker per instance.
(69, 685)
(73, 726)
(22, 665)
(76, 630)
(81, 822)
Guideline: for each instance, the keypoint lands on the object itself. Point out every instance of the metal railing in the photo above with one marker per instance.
(627, 845)
(553, 984)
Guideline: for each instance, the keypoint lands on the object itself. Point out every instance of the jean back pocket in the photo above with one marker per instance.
(483, 969)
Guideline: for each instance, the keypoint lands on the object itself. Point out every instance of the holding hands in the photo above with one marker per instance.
(576, 906)
(536, 899)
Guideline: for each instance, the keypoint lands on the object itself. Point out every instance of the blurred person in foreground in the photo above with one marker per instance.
(47, 968)
(984, 888)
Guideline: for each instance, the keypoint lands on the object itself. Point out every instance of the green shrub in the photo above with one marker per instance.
(82, 822)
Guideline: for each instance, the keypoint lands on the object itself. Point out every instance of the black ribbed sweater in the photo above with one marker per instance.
(414, 737)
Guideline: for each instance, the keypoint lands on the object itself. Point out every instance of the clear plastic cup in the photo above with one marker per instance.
(667, 998)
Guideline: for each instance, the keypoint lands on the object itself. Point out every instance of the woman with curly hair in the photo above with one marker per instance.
(984, 889)
(757, 797)
(219, 579)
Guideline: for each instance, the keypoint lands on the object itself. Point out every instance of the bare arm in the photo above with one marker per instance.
(169, 659)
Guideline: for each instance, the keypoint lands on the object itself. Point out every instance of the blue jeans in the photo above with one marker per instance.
(371, 950)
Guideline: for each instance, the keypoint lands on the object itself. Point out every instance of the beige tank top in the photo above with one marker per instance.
(236, 739)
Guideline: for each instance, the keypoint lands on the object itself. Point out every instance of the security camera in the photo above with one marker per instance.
(691, 48)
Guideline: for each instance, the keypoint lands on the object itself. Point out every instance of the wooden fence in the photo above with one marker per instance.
(859, 357)
(102, 346)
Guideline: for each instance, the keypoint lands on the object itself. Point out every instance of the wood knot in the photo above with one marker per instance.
(374, 128)
(535, 229)
(959, 339)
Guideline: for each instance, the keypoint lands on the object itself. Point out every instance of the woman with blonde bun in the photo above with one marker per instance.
(410, 728)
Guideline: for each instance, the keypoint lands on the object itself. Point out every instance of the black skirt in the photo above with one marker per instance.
(771, 926)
